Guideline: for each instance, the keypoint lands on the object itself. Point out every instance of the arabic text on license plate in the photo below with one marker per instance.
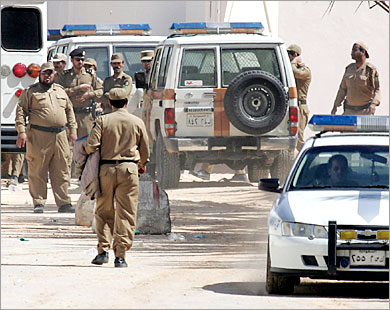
(199, 120)
(367, 258)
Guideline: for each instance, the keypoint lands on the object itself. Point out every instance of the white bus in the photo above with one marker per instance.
(23, 50)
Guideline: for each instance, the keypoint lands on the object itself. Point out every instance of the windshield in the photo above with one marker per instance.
(358, 166)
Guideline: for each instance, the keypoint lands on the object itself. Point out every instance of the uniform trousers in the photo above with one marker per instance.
(303, 120)
(15, 164)
(116, 222)
(48, 152)
(356, 112)
(84, 124)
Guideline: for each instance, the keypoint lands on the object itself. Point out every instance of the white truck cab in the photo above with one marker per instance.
(101, 41)
(222, 93)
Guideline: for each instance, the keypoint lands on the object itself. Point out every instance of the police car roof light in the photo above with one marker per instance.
(216, 28)
(54, 34)
(350, 123)
(106, 29)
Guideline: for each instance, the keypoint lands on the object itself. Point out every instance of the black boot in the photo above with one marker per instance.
(120, 262)
(100, 259)
(66, 209)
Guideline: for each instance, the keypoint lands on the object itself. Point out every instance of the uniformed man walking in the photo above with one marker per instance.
(49, 111)
(124, 152)
(359, 89)
(302, 76)
(82, 88)
(118, 80)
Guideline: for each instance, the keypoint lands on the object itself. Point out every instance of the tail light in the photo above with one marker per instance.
(33, 70)
(18, 92)
(169, 120)
(294, 119)
(19, 70)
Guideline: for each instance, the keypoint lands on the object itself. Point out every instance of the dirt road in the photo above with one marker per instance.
(219, 264)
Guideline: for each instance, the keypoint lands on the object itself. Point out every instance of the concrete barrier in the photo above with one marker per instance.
(153, 216)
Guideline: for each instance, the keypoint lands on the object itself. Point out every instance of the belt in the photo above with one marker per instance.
(48, 129)
(82, 110)
(302, 101)
(116, 162)
(356, 107)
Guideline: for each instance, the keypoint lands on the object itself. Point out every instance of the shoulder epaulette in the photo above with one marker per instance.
(65, 71)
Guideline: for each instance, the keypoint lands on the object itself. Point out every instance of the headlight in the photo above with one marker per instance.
(303, 230)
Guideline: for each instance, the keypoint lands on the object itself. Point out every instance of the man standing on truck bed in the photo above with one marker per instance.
(49, 112)
(118, 80)
(82, 88)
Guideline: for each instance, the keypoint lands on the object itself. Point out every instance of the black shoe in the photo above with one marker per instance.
(120, 262)
(100, 259)
(38, 209)
(66, 209)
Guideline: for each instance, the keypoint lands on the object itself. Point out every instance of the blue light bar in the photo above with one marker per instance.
(216, 27)
(106, 29)
(350, 123)
(53, 34)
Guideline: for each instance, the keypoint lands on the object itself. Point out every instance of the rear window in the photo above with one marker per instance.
(100, 54)
(236, 61)
(132, 57)
(21, 29)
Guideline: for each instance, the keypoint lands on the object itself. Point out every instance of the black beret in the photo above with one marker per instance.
(77, 52)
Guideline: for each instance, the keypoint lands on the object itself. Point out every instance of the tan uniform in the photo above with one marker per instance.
(147, 109)
(71, 82)
(47, 147)
(122, 81)
(302, 76)
(120, 136)
(15, 164)
(359, 88)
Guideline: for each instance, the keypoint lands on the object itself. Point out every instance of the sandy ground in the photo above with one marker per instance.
(45, 258)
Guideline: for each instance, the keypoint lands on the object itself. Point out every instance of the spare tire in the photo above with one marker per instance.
(255, 102)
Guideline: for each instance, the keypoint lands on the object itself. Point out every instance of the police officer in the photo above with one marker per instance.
(49, 111)
(302, 76)
(118, 80)
(359, 89)
(82, 88)
(146, 61)
(59, 60)
(124, 152)
(91, 64)
(15, 165)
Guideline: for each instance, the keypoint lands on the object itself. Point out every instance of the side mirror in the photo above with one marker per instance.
(140, 79)
(270, 185)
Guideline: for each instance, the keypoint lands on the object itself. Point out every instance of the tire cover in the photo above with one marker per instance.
(255, 102)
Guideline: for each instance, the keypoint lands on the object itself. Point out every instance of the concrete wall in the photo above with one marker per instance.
(326, 42)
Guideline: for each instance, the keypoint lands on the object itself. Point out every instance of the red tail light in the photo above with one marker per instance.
(169, 120)
(33, 70)
(19, 70)
(294, 119)
(18, 92)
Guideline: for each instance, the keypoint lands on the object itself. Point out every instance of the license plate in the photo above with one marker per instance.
(367, 258)
(199, 120)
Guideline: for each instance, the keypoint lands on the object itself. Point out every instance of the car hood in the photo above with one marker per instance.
(345, 207)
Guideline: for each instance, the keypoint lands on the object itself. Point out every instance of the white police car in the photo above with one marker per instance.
(331, 219)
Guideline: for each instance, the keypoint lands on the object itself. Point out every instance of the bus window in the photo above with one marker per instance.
(26, 23)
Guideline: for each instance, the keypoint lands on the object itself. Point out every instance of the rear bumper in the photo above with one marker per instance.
(9, 135)
(230, 144)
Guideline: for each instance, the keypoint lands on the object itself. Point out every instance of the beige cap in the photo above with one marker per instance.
(47, 66)
(117, 57)
(59, 57)
(363, 45)
(117, 94)
(147, 55)
(90, 61)
(295, 48)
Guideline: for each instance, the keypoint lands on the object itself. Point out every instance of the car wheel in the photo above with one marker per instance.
(256, 171)
(167, 166)
(255, 102)
(282, 164)
(278, 284)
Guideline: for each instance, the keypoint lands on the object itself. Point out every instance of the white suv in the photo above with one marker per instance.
(221, 93)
